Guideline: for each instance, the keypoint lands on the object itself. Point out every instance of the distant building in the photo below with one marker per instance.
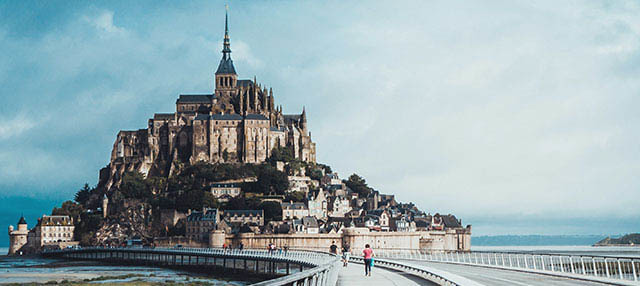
(200, 223)
(330, 179)
(339, 206)
(250, 217)
(18, 237)
(318, 204)
(299, 184)
(293, 210)
(308, 224)
(51, 230)
(224, 191)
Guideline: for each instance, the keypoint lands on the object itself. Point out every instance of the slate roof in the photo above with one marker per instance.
(163, 116)
(292, 117)
(450, 221)
(22, 220)
(253, 116)
(226, 66)
(310, 221)
(195, 98)
(245, 82)
(55, 220)
(207, 215)
(202, 117)
(294, 206)
(226, 117)
(243, 213)
(225, 185)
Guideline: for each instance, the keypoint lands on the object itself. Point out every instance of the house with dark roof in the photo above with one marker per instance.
(200, 223)
(239, 217)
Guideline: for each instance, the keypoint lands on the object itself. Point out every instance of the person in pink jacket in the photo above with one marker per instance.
(368, 259)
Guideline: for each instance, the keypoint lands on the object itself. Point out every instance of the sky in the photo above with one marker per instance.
(519, 117)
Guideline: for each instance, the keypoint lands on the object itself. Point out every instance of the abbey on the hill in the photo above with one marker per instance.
(238, 122)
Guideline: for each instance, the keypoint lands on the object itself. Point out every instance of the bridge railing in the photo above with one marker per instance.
(620, 268)
(316, 268)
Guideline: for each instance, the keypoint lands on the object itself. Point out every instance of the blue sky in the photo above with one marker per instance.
(517, 116)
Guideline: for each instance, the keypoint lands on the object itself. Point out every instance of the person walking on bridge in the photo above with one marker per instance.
(333, 248)
(368, 259)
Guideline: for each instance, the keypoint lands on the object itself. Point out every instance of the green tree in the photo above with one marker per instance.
(271, 180)
(70, 208)
(272, 211)
(134, 186)
(295, 196)
(280, 153)
(83, 195)
(358, 185)
(190, 199)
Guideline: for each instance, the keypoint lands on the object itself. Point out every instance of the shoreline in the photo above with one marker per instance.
(34, 270)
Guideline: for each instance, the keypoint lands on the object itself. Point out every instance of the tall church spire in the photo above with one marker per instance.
(226, 51)
(226, 64)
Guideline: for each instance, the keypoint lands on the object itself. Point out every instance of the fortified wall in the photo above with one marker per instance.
(356, 238)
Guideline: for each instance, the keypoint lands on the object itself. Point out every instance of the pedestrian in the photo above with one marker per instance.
(286, 249)
(241, 246)
(345, 255)
(368, 259)
(333, 248)
(269, 247)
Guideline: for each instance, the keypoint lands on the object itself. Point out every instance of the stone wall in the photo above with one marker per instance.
(356, 238)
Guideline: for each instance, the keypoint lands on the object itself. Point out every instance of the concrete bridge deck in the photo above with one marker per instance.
(354, 275)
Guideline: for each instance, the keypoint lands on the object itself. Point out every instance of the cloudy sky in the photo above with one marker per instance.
(518, 117)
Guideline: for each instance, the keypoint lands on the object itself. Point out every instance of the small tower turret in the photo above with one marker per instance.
(303, 120)
(18, 237)
(105, 205)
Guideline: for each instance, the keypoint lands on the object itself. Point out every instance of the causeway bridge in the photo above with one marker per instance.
(397, 267)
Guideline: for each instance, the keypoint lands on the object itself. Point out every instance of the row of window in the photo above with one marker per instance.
(58, 235)
(56, 228)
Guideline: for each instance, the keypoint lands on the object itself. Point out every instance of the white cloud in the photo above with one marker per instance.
(483, 110)
(15, 126)
(104, 22)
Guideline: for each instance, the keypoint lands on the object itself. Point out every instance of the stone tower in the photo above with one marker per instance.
(226, 77)
(18, 238)
(105, 204)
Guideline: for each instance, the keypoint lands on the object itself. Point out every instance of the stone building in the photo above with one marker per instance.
(18, 237)
(237, 122)
(339, 206)
(224, 191)
(293, 210)
(318, 204)
(240, 217)
(50, 231)
(200, 223)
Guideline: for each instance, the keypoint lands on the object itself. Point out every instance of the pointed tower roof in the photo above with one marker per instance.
(22, 220)
(303, 115)
(226, 64)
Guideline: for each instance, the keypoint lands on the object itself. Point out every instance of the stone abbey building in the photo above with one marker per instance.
(238, 122)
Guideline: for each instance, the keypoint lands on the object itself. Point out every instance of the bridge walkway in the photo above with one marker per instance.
(500, 277)
(354, 275)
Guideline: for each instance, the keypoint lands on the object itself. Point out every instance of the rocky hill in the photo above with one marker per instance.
(629, 239)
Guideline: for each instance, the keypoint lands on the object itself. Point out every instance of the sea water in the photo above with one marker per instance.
(15, 269)
(612, 251)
